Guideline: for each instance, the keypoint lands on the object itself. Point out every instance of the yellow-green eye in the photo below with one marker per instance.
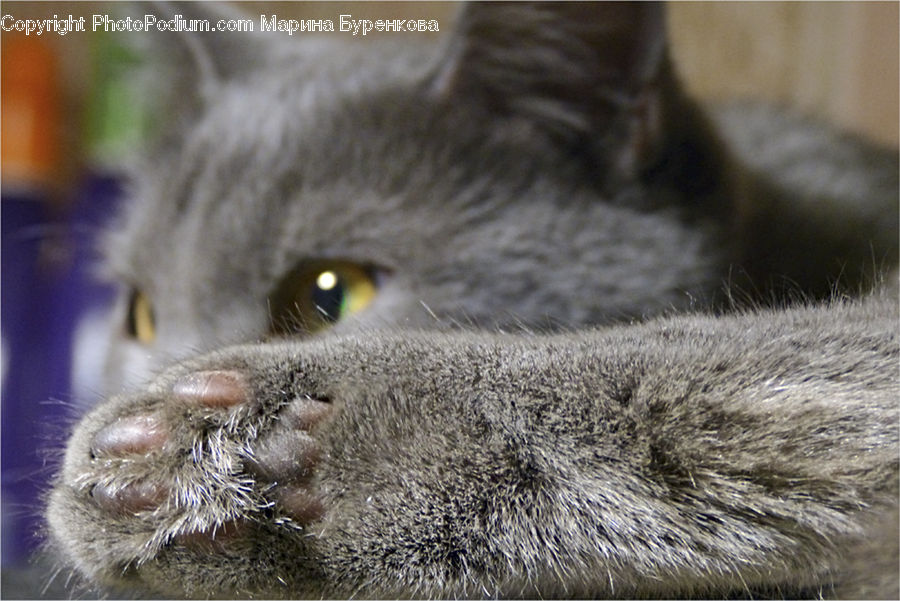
(319, 293)
(140, 323)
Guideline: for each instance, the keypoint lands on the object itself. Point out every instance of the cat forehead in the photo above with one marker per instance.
(361, 117)
(308, 112)
(298, 86)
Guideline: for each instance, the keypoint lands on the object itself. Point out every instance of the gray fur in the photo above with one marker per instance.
(528, 407)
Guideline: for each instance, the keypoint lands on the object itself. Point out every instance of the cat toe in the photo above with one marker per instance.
(306, 413)
(130, 435)
(214, 389)
(289, 453)
(287, 457)
(130, 499)
(302, 505)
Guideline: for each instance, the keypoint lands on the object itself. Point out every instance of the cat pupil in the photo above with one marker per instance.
(141, 322)
(328, 296)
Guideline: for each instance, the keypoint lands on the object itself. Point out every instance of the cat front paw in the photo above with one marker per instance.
(199, 476)
(282, 461)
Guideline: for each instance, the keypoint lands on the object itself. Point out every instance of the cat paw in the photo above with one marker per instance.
(283, 460)
(203, 468)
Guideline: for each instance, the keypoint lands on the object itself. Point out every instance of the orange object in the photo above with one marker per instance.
(30, 111)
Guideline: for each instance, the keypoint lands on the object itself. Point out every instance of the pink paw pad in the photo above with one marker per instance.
(290, 454)
(212, 388)
(129, 435)
(302, 505)
(130, 499)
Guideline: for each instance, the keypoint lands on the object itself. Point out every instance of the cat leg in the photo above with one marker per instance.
(687, 456)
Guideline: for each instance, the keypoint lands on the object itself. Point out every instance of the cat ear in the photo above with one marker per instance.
(596, 73)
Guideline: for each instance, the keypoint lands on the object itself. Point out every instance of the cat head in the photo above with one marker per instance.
(536, 167)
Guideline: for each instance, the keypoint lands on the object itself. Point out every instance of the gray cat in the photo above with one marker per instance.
(508, 315)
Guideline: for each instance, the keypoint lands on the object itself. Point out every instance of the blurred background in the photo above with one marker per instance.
(71, 112)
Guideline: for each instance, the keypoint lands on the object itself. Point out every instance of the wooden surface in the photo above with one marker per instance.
(838, 60)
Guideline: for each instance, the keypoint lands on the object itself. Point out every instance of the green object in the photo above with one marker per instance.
(117, 118)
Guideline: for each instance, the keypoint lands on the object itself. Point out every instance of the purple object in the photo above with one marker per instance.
(47, 289)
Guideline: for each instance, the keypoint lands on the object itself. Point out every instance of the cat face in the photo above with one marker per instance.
(432, 186)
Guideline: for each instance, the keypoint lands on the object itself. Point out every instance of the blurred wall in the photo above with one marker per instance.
(838, 60)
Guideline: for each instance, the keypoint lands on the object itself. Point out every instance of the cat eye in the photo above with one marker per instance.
(319, 293)
(140, 323)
